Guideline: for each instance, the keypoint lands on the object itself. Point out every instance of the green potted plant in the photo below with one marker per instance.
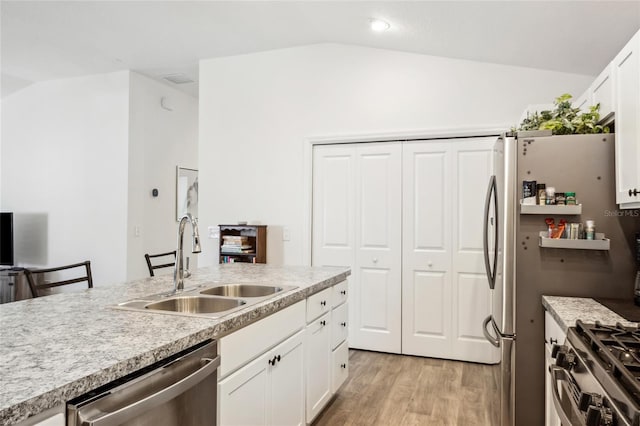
(565, 119)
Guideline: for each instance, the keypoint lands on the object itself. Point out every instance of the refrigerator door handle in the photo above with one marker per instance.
(491, 194)
(495, 341)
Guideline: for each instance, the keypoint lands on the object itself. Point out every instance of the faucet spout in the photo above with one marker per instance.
(178, 272)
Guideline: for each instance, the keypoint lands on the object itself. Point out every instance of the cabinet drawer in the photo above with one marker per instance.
(318, 304)
(340, 366)
(553, 333)
(243, 345)
(339, 327)
(339, 294)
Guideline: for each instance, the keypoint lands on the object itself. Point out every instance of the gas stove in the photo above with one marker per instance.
(599, 375)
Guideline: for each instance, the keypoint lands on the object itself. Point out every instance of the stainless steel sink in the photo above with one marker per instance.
(196, 305)
(244, 290)
(205, 301)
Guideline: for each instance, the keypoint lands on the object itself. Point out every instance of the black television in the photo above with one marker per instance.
(6, 238)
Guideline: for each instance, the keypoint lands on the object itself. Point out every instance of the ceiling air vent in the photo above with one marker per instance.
(178, 78)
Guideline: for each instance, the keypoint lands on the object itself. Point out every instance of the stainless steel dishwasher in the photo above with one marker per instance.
(180, 390)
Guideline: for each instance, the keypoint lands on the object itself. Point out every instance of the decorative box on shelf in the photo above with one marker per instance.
(598, 243)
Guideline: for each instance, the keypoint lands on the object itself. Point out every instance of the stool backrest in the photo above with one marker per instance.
(37, 285)
(152, 267)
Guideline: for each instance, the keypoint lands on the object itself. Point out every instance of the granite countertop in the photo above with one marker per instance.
(567, 310)
(55, 348)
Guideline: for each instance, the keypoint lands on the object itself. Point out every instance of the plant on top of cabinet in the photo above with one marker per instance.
(565, 119)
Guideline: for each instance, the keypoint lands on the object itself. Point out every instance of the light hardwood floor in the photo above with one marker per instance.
(386, 389)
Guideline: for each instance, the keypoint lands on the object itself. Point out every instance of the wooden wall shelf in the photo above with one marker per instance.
(243, 243)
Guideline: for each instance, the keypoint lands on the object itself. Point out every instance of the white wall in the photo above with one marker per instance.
(257, 110)
(80, 157)
(159, 141)
(64, 171)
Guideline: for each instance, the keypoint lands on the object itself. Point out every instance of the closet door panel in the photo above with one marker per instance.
(472, 170)
(377, 286)
(426, 287)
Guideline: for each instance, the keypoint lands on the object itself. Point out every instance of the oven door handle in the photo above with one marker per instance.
(559, 374)
(167, 394)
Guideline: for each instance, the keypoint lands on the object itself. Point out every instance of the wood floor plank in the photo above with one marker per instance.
(386, 389)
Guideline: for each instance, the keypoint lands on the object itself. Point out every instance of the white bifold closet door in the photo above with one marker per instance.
(445, 291)
(357, 194)
(407, 218)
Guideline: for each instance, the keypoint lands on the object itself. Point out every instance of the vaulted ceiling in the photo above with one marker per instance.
(44, 40)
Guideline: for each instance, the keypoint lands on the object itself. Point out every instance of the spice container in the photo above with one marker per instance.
(560, 198)
(550, 194)
(542, 193)
(570, 198)
(529, 194)
(590, 229)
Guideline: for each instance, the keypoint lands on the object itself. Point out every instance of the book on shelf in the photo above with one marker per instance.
(227, 248)
(235, 239)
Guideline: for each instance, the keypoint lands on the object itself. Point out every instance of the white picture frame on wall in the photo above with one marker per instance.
(186, 192)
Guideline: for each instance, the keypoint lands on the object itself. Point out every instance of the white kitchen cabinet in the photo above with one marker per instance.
(583, 101)
(553, 335)
(603, 93)
(357, 223)
(339, 325)
(340, 366)
(318, 361)
(240, 347)
(268, 390)
(626, 72)
(445, 291)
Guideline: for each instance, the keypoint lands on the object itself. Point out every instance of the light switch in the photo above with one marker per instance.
(137, 231)
(286, 235)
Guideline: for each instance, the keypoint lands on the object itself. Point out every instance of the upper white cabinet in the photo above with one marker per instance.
(583, 101)
(626, 76)
(603, 93)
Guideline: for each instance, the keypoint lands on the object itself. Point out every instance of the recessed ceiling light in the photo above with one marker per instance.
(379, 25)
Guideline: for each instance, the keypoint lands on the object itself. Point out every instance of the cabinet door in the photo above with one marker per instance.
(287, 382)
(626, 69)
(377, 281)
(339, 325)
(583, 101)
(426, 261)
(318, 366)
(339, 366)
(603, 93)
(243, 395)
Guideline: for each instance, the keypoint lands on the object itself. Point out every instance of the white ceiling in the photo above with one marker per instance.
(44, 40)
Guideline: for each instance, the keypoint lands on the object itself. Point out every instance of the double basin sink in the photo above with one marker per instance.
(204, 301)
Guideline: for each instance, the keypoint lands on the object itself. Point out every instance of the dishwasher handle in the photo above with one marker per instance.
(136, 408)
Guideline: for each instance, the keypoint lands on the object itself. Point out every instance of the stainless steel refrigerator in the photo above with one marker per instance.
(520, 271)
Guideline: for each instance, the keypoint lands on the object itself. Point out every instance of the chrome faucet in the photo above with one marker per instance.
(178, 273)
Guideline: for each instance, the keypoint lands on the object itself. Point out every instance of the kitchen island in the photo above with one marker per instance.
(58, 347)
